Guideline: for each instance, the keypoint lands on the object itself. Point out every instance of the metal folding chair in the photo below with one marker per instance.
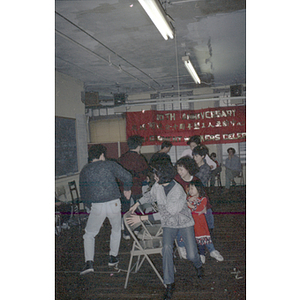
(144, 244)
(75, 210)
(59, 191)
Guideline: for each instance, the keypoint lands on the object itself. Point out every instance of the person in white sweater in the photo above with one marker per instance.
(175, 218)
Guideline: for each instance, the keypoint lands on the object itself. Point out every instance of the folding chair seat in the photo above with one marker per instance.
(144, 244)
(155, 229)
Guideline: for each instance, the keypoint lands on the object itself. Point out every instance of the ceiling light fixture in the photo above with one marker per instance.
(158, 16)
(190, 68)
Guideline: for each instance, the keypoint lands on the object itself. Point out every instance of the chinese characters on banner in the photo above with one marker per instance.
(214, 125)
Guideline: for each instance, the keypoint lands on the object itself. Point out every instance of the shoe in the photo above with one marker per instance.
(202, 257)
(88, 268)
(126, 237)
(200, 272)
(216, 254)
(112, 261)
(169, 291)
(182, 252)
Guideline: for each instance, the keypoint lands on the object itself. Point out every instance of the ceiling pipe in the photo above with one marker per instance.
(155, 102)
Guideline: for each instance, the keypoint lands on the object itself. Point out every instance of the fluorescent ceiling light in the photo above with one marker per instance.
(158, 16)
(191, 69)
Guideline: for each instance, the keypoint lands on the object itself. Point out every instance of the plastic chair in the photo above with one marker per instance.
(144, 244)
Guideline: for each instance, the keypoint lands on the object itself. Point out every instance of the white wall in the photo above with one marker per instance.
(68, 96)
(68, 104)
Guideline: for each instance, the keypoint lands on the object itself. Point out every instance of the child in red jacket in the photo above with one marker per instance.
(197, 202)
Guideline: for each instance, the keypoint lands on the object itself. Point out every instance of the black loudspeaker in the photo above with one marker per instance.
(119, 98)
(90, 98)
(236, 90)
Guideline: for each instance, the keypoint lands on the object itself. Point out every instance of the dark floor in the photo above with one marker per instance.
(219, 282)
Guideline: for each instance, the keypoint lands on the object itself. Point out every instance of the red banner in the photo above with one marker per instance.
(214, 125)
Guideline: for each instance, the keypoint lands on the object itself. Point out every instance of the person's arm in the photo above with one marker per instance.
(210, 162)
(124, 176)
(201, 206)
(127, 194)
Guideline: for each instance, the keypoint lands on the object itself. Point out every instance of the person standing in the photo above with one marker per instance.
(216, 171)
(197, 202)
(193, 142)
(99, 189)
(135, 163)
(175, 218)
(162, 155)
(204, 172)
(233, 167)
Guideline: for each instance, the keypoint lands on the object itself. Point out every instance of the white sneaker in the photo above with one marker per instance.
(126, 237)
(216, 254)
(202, 257)
(182, 252)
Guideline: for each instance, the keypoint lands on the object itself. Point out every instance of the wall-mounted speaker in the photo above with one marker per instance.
(120, 98)
(90, 98)
(236, 90)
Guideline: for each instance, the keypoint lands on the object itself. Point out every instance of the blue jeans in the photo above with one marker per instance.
(210, 223)
(229, 175)
(210, 219)
(210, 248)
(169, 235)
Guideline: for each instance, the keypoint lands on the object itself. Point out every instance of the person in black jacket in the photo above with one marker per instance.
(162, 155)
(99, 188)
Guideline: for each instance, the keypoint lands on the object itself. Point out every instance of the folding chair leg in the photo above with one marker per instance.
(153, 267)
(128, 271)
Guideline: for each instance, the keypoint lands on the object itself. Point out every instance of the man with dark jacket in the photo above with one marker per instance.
(99, 188)
(134, 162)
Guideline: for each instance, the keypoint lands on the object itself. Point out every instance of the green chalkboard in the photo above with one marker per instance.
(65, 146)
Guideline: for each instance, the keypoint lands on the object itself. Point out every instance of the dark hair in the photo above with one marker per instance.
(95, 151)
(213, 154)
(231, 149)
(188, 163)
(166, 144)
(134, 141)
(194, 139)
(165, 172)
(199, 186)
(199, 151)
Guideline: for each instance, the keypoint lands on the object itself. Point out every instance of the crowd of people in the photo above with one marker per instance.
(110, 188)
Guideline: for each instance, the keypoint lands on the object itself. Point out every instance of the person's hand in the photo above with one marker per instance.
(133, 219)
(211, 167)
(190, 205)
(134, 207)
(127, 194)
(192, 198)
